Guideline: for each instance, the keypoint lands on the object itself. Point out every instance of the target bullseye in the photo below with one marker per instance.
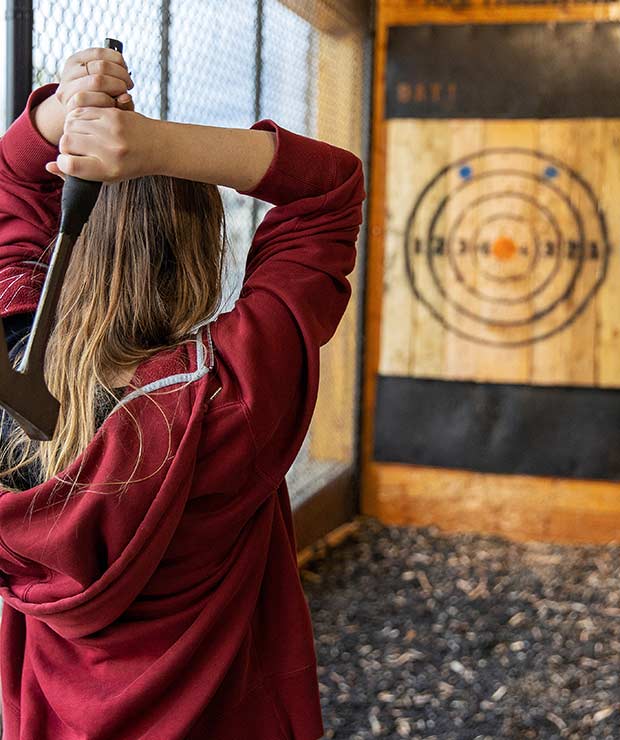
(506, 246)
(503, 248)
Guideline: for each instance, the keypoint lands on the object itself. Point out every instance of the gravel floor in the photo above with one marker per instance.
(455, 637)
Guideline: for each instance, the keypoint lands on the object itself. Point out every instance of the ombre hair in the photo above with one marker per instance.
(146, 268)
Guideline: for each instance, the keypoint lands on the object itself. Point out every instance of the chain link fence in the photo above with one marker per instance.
(303, 63)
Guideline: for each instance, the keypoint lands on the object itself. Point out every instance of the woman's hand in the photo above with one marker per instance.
(106, 145)
(95, 77)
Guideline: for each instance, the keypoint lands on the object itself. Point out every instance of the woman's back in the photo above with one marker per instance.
(175, 610)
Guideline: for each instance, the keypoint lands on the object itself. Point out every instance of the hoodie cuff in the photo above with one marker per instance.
(301, 167)
(25, 149)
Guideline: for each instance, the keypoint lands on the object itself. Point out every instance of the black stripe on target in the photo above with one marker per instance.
(564, 238)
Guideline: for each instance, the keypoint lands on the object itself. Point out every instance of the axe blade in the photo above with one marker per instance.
(26, 398)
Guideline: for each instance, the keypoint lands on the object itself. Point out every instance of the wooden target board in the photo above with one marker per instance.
(500, 321)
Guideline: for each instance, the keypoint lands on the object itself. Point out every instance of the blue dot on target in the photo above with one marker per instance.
(551, 171)
(465, 172)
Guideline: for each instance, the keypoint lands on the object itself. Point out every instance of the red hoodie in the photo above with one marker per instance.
(175, 611)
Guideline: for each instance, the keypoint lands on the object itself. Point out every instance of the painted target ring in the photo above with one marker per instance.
(506, 246)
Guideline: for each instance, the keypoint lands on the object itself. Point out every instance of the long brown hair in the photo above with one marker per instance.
(146, 268)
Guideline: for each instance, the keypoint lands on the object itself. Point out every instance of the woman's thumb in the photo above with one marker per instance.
(125, 102)
(53, 169)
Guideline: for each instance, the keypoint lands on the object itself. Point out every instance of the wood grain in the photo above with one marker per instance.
(423, 347)
(521, 508)
(339, 68)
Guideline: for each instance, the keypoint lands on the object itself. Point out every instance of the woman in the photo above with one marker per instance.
(147, 561)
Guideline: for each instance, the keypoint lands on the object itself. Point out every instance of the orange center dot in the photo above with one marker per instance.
(503, 248)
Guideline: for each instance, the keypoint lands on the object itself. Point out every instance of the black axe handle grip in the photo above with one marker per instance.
(77, 202)
(79, 196)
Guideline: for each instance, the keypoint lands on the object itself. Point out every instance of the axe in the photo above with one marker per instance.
(23, 392)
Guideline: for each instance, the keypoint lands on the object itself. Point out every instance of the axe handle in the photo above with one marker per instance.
(77, 201)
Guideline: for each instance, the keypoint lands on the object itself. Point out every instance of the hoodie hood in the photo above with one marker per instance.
(77, 564)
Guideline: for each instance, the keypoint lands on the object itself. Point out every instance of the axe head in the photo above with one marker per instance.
(25, 396)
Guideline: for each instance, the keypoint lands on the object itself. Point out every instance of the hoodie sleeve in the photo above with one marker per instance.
(29, 209)
(295, 290)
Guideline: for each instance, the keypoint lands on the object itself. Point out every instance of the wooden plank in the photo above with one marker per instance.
(583, 331)
(508, 364)
(329, 508)
(428, 153)
(396, 337)
(553, 359)
(549, 358)
(339, 113)
(331, 540)
(461, 357)
(374, 250)
(330, 18)
(521, 508)
(608, 304)
(407, 12)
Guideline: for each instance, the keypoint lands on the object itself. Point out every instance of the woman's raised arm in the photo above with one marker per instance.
(236, 158)
(112, 145)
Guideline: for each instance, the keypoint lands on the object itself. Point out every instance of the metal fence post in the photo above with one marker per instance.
(360, 340)
(18, 57)
(258, 77)
(165, 59)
